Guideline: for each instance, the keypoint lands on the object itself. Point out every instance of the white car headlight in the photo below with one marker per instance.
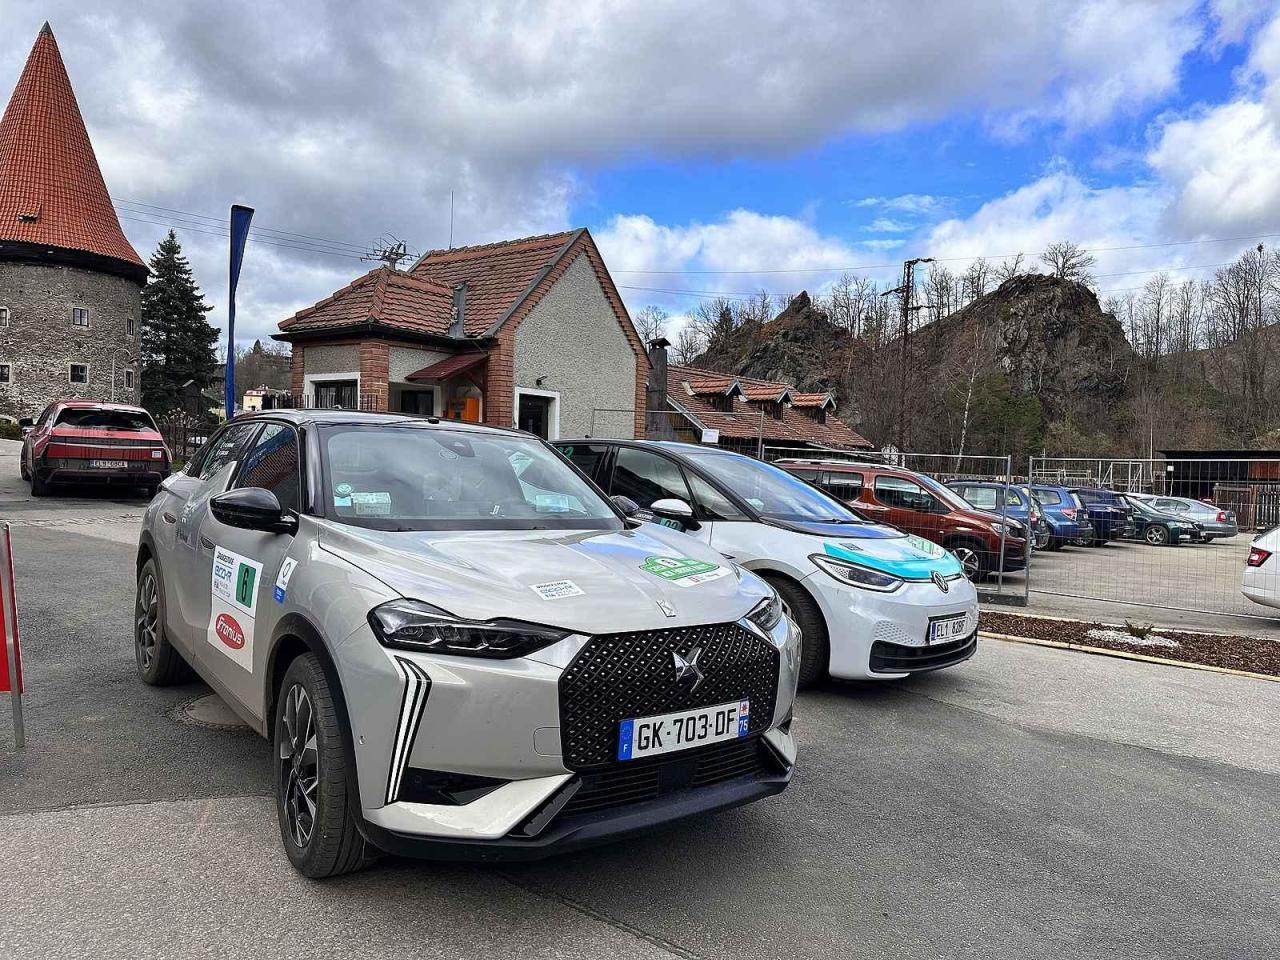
(856, 574)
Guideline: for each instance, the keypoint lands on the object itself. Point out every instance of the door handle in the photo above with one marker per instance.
(168, 517)
(206, 542)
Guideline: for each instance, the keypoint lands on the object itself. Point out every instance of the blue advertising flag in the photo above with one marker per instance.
(241, 217)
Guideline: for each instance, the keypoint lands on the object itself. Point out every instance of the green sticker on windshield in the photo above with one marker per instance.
(683, 571)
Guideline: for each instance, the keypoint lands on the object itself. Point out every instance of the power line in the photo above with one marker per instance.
(189, 228)
(981, 256)
(220, 220)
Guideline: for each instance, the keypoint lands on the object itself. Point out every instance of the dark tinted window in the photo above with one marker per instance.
(273, 465)
(224, 448)
(896, 492)
(585, 456)
(841, 484)
(105, 419)
(646, 477)
(715, 505)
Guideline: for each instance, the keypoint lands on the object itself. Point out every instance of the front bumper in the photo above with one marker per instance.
(857, 620)
(493, 728)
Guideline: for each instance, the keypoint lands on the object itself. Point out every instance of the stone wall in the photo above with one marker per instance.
(40, 341)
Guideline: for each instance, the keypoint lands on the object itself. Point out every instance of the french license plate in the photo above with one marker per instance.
(669, 732)
(108, 464)
(951, 628)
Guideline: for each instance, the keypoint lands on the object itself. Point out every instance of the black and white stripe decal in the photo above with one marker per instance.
(412, 701)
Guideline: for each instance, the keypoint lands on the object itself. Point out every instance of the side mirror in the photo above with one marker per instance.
(628, 506)
(252, 508)
(26, 423)
(673, 512)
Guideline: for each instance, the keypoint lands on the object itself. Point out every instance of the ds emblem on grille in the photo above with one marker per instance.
(667, 608)
(940, 581)
(687, 668)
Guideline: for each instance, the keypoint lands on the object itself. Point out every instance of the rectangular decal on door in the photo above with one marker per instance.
(233, 605)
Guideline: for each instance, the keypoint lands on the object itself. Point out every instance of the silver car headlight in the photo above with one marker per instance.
(414, 625)
(857, 575)
(767, 613)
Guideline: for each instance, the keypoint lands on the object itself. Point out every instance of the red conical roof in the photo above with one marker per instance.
(51, 191)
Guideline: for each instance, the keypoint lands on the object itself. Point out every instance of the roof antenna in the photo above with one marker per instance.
(390, 250)
(450, 219)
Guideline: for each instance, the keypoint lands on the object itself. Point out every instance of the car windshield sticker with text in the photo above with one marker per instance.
(233, 606)
(683, 571)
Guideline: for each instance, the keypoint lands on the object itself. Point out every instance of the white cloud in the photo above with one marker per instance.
(885, 225)
(1221, 160)
(918, 204)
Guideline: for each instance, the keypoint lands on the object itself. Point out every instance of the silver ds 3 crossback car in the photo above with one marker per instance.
(456, 644)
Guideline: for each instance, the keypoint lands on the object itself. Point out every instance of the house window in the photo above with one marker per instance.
(128, 379)
(80, 316)
(128, 326)
(336, 394)
(78, 373)
(6, 373)
(4, 316)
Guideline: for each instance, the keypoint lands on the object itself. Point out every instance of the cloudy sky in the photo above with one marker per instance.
(716, 147)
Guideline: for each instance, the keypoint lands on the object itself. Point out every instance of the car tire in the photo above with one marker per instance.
(1156, 535)
(159, 664)
(39, 485)
(314, 804)
(22, 468)
(1056, 543)
(815, 645)
(1043, 540)
(975, 560)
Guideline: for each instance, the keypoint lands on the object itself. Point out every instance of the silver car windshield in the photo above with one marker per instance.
(773, 492)
(406, 477)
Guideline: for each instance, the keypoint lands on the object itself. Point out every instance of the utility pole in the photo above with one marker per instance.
(906, 294)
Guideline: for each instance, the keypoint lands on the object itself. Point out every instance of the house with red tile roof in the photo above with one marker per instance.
(763, 418)
(528, 333)
(70, 283)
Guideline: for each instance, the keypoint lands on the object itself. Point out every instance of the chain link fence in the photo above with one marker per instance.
(1167, 533)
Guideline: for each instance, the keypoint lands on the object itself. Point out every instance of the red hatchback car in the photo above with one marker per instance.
(88, 441)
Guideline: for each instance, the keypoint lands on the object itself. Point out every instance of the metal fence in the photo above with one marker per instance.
(1168, 534)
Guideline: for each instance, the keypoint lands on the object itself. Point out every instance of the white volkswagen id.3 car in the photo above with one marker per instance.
(871, 601)
(456, 645)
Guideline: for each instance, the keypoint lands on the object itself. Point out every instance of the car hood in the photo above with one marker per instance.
(585, 581)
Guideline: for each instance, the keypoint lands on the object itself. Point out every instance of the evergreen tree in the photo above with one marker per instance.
(177, 342)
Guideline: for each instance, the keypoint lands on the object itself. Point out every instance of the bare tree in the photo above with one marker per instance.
(651, 323)
(1068, 261)
(1009, 268)
(976, 280)
(689, 345)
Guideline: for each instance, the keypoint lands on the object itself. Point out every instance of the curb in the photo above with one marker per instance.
(1125, 655)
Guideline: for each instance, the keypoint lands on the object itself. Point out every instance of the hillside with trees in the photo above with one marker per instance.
(1016, 358)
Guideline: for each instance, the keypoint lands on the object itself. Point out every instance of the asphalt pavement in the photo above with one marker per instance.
(1031, 803)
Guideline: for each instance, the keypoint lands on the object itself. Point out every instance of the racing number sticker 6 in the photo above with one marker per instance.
(233, 605)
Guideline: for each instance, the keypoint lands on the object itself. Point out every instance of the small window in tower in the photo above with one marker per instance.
(4, 316)
(128, 327)
(6, 373)
(80, 316)
(78, 373)
(128, 379)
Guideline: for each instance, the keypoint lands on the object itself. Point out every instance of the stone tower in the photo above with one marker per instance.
(70, 283)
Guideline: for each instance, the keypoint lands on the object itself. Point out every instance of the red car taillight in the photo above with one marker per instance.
(1222, 516)
(1257, 556)
(1069, 513)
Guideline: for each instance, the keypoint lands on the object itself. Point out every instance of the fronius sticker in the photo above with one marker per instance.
(927, 547)
(557, 590)
(683, 571)
(233, 605)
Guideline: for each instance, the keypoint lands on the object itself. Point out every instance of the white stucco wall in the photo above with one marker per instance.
(403, 361)
(322, 359)
(573, 341)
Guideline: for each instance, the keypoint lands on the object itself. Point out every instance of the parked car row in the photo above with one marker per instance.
(460, 645)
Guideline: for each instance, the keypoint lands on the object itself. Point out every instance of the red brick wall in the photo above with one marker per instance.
(375, 360)
(297, 366)
(499, 394)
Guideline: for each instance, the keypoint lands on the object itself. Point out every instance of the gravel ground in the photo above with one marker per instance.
(1252, 654)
